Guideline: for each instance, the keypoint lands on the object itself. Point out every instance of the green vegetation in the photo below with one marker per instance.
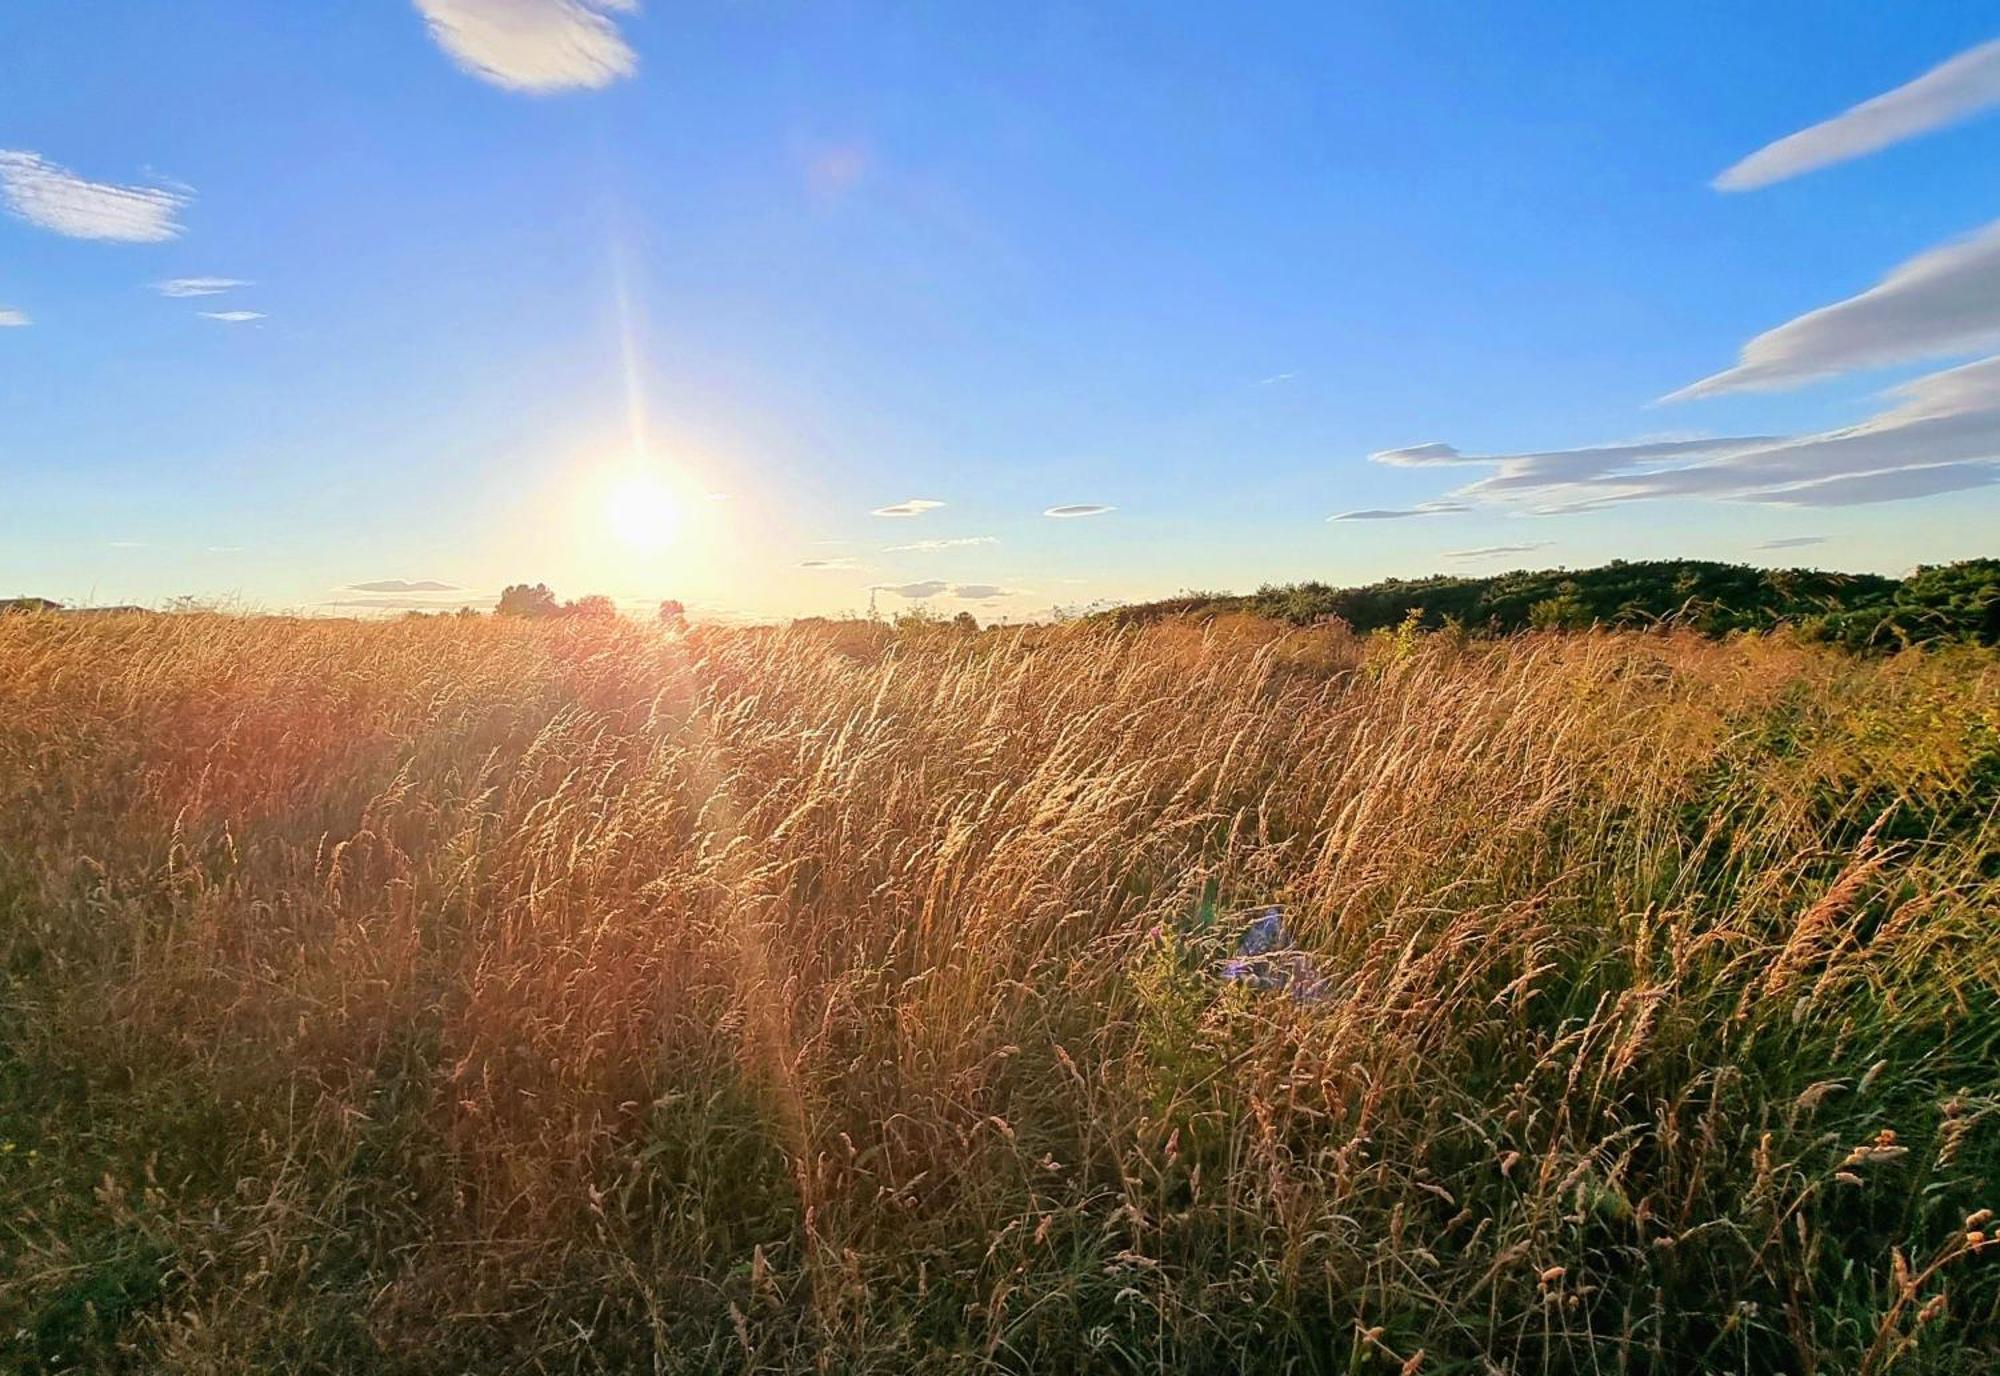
(1951, 602)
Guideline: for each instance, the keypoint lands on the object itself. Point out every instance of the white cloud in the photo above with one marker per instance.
(932, 546)
(402, 585)
(197, 286)
(232, 317)
(915, 506)
(537, 46)
(1941, 434)
(57, 199)
(13, 319)
(1495, 551)
(840, 565)
(1953, 91)
(1793, 542)
(980, 592)
(1076, 509)
(1945, 301)
(916, 592)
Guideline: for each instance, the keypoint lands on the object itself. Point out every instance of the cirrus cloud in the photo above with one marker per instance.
(1948, 93)
(13, 319)
(1495, 551)
(1441, 507)
(1940, 433)
(57, 199)
(915, 506)
(232, 317)
(537, 46)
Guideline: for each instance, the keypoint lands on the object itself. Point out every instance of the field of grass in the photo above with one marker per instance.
(475, 996)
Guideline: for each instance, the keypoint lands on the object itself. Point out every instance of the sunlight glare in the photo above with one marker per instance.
(643, 512)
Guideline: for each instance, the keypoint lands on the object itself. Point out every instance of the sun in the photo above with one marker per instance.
(643, 512)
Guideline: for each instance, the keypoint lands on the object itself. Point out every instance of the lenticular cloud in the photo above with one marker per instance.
(1945, 301)
(1950, 92)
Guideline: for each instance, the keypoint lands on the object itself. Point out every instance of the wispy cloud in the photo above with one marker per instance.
(232, 317)
(1442, 507)
(537, 46)
(1794, 542)
(57, 199)
(915, 506)
(198, 286)
(1496, 551)
(402, 585)
(1948, 93)
(1275, 378)
(1941, 433)
(980, 592)
(1077, 509)
(932, 546)
(1436, 455)
(13, 319)
(1946, 301)
(916, 592)
(1420, 455)
(840, 565)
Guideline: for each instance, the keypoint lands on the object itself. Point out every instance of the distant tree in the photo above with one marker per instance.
(468, 614)
(522, 599)
(673, 615)
(1564, 611)
(596, 607)
(965, 621)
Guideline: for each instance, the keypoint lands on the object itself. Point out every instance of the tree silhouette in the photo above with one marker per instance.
(673, 615)
(522, 599)
(595, 607)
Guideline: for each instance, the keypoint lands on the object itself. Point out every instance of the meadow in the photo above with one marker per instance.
(490, 996)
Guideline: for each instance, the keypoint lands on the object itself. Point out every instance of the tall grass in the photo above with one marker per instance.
(463, 996)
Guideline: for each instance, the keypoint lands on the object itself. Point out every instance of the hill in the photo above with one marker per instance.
(1948, 602)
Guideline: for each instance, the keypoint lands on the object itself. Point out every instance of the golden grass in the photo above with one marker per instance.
(474, 996)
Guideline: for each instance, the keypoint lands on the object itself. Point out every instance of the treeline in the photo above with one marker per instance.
(1946, 602)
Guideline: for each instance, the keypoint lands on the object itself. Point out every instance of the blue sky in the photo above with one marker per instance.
(670, 299)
